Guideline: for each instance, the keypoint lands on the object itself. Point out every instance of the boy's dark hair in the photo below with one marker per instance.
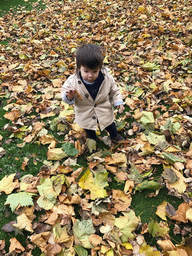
(90, 56)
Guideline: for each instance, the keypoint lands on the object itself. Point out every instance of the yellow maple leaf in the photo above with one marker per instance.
(180, 184)
(149, 251)
(161, 210)
(56, 154)
(67, 114)
(87, 181)
(7, 184)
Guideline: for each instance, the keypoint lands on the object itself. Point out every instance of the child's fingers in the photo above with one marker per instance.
(121, 108)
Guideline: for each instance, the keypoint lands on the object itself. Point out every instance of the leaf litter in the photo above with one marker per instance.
(148, 50)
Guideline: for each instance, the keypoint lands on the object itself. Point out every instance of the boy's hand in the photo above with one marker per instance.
(70, 94)
(120, 108)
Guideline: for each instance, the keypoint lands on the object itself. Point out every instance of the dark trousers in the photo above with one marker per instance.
(112, 130)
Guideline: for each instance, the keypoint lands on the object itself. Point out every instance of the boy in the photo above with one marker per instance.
(93, 92)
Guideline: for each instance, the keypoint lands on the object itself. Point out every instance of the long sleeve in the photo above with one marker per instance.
(67, 86)
(115, 95)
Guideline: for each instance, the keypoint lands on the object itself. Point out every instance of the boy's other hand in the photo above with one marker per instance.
(70, 94)
(120, 108)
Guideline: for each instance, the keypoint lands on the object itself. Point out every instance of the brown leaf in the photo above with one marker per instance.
(13, 115)
(24, 223)
(95, 240)
(129, 185)
(53, 249)
(189, 164)
(121, 200)
(76, 199)
(170, 210)
(9, 227)
(41, 240)
(15, 246)
(122, 176)
(166, 245)
(2, 244)
(181, 213)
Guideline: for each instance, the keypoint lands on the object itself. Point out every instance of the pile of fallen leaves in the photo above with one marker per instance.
(148, 52)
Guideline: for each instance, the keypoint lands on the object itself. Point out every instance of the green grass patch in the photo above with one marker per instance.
(16, 5)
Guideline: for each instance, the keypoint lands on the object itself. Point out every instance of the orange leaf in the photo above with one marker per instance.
(13, 115)
(181, 213)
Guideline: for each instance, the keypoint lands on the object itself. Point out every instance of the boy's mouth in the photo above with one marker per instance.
(90, 80)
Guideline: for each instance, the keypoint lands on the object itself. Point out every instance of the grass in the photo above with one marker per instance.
(143, 205)
(12, 164)
(13, 5)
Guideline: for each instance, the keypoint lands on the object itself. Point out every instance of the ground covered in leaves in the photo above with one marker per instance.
(70, 196)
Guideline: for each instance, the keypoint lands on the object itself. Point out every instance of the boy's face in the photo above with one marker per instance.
(88, 74)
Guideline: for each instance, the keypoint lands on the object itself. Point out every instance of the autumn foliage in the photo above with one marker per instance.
(148, 51)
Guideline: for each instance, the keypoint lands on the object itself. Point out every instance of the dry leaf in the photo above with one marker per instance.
(7, 184)
(24, 223)
(15, 246)
(179, 185)
(181, 213)
(161, 210)
(166, 245)
(41, 240)
(95, 240)
(121, 200)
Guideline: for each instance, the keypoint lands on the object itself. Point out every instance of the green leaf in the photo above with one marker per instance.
(2, 58)
(23, 56)
(135, 174)
(70, 149)
(127, 224)
(53, 124)
(148, 251)
(91, 144)
(48, 195)
(154, 138)
(147, 117)
(43, 56)
(120, 125)
(151, 66)
(80, 250)
(95, 185)
(138, 92)
(148, 121)
(101, 179)
(158, 230)
(171, 158)
(148, 185)
(82, 230)
(58, 181)
(170, 125)
(21, 198)
(170, 175)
